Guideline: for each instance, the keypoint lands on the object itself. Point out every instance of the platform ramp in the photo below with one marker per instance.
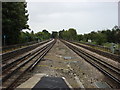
(42, 81)
(52, 83)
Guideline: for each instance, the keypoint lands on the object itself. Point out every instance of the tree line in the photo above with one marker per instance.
(99, 37)
(39, 36)
(14, 19)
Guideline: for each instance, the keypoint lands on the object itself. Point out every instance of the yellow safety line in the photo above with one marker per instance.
(51, 67)
(43, 65)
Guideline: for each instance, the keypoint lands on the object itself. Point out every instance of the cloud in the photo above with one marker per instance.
(68, 0)
(82, 16)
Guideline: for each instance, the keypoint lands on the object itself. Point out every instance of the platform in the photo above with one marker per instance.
(51, 83)
(40, 81)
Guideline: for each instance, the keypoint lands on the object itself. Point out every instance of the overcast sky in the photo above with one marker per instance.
(83, 16)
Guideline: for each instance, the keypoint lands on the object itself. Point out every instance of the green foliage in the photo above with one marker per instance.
(46, 34)
(104, 36)
(99, 37)
(79, 37)
(70, 34)
(14, 19)
(28, 37)
(61, 34)
(54, 34)
(43, 35)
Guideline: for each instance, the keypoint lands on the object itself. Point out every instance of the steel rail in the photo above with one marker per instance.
(113, 68)
(13, 63)
(14, 69)
(105, 54)
(42, 52)
(9, 55)
(88, 59)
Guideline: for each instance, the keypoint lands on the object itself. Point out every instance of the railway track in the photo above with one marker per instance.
(13, 71)
(103, 53)
(12, 54)
(109, 70)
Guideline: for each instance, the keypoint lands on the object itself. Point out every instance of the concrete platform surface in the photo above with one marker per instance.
(44, 81)
(52, 83)
(30, 83)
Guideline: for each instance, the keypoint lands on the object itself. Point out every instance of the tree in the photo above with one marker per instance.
(100, 38)
(14, 19)
(79, 37)
(46, 34)
(61, 34)
(54, 34)
(70, 34)
(116, 32)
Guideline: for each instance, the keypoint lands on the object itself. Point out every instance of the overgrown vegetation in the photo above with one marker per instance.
(14, 19)
(103, 37)
(40, 36)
